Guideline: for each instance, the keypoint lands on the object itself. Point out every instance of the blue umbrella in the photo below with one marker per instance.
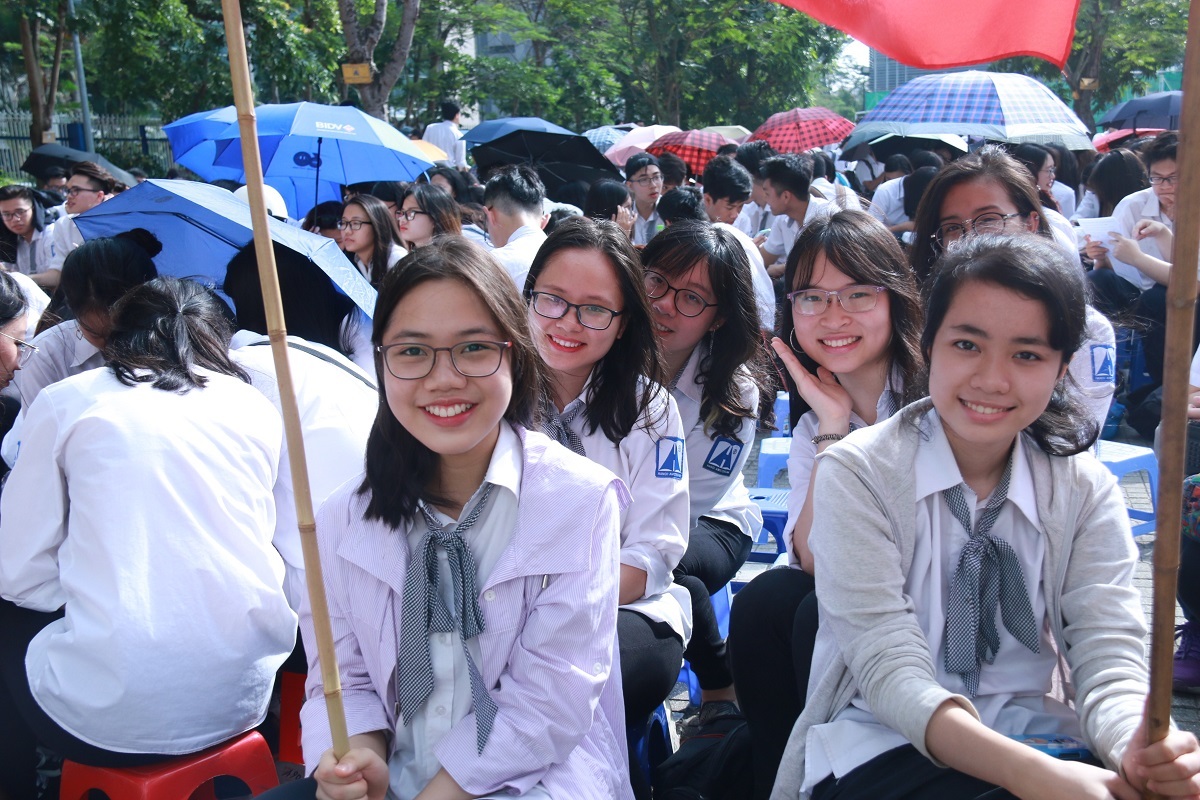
(201, 227)
(1000, 106)
(604, 137)
(306, 143)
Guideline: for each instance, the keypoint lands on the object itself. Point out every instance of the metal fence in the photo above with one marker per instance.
(125, 141)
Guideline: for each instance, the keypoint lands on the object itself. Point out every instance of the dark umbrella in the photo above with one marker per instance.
(1158, 110)
(558, 155)
(57, 155)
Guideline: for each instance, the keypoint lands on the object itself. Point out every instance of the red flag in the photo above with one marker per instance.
(935, 34)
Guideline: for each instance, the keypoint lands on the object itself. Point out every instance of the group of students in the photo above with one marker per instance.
(551, 487)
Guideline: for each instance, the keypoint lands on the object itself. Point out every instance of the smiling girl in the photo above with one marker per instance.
(966, 554)
(474, 638)
(592, 325)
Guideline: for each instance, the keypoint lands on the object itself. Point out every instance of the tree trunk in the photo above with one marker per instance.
(361, 43)
(33, 72)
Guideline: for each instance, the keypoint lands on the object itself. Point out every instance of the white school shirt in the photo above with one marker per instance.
(35, 303)
(337, 405)
(753, 219)
(413, 761)
(448, 137)
(395, 253)
(784, 229)
(1089, 206)
(764, 291)
(715, 485)
(62, 352)
(652, 462)
(887, 204)
(1064, 235)
(836, 193)
(644, 229)
(1014, 691)
(33, 256)
(1093, 370)
(803, 453)
(1194, 372)
(517, 254)
(149, 515)
(1065, 197)
(64, 237)
(1140, 205)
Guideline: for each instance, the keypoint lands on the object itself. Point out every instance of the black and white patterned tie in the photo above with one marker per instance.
(558, 426)
(988, 574)
(424, 612)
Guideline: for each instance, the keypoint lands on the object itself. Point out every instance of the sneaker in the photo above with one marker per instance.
(711, 712)
(1187, 658)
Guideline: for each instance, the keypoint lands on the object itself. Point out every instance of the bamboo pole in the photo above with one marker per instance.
(243, 94)
(1181, 297)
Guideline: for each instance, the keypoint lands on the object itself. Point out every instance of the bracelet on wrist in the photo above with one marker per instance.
(827, 437)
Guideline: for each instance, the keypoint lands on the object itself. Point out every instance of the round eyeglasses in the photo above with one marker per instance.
(410, 214)
(409, 361)
(687, 302)
(352, 224)
(991, 222)
(24, 348)
(551, 306)
(853, 299)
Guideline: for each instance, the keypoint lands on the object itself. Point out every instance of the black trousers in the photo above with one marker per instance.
(651, 654)
(23, 723)
(772, 632)
(905, 774)
(716, 551)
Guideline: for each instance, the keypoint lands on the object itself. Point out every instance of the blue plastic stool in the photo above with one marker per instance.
(772, 459)
(783, 410)
(773, 504)
(651, 744)
(720, 602)
(1131, 356)
(1122, 459)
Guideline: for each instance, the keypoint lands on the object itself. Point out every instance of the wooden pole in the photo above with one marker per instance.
(243, 95)
(1181, 300)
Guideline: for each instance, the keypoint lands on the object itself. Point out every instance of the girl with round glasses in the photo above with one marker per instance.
(706, 321)
(849, 342)
(14, 350)
(427, 210)
(370, 236)
(461, 508)
(592, 325)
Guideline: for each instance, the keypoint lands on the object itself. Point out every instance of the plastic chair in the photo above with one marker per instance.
(783, 420)
(246, 757)
(720, 603)
(651, 745)
(291, 698)
(1131, 357)
(772, 459)
(1122, 459)
(773, 504)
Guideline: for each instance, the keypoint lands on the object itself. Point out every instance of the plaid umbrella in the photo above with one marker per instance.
(999, 106)
(696, 148)
(802, 129)
(604, 137)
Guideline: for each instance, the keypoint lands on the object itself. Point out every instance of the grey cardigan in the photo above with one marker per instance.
(869, 639)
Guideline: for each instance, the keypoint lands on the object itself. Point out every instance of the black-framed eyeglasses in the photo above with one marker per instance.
(352, 224)
(991, 222)
(71, 191)
(1165, 180)
(853, 299)
(590, 315)
(20, 213)
(410, 361)
(687, 302)
(647, 180)
(24, 348)
(410, 214)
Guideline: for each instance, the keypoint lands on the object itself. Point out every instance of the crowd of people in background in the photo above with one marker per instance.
(529, 464)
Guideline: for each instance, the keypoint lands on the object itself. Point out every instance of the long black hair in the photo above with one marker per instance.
(735, 352)
(12, 300)
(166, 329)
(399, 468)
(99, 272)
(383, 229)
(618, 392)
(1036, 268)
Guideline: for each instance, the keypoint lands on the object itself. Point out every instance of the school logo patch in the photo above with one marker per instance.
(1104, 363)
(723, 455)
(669, 458)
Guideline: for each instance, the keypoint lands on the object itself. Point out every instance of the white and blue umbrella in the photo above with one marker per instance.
(201, 227)
(999, 106)
(309, 147)
(604, 137)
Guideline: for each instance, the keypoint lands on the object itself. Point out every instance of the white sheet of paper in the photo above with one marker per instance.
(1097, 228)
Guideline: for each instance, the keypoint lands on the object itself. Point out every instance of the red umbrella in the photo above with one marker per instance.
(802, 129)
(696, 148)
(1110, 139)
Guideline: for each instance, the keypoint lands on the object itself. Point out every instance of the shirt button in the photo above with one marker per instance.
(489, 595)
(597, 668)
(444, 638)
(440, 711)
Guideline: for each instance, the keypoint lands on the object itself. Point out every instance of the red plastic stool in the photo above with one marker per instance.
(291, 698)
(246, 758)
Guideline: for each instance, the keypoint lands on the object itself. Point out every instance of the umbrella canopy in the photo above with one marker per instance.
(431, 151)
(1103, 142)
(802, 129)
(889, 144)
(304, 142)
(201, 227)
(696, 148)
(1000, 106)
(493, 129)
(558, 155)
(636, 141)
(1158, 110)
(736, 132)
(604, 137)
(57, 155)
